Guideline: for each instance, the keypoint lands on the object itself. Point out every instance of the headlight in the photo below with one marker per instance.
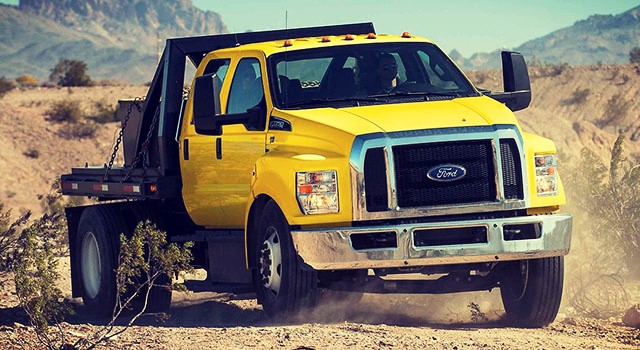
(546, 177)
(317, 191)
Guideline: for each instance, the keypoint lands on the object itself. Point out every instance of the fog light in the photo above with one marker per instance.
(317, 192)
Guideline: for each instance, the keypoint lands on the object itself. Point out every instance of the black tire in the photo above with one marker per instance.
(160, 294)
(97, 250)
(282, 288)
(531, 291)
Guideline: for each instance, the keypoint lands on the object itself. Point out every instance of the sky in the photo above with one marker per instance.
(468, 26)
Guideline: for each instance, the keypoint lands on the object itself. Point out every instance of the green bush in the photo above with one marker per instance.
(66, 111)
(70, 73)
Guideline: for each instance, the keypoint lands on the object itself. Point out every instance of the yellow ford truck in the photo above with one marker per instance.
(330, 158)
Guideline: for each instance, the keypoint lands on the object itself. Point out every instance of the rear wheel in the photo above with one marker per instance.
(97, 249)
(282, 287)
(531, 291)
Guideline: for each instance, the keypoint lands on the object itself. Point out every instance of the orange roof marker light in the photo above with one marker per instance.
(371, 36)
(325, 39)
(406, 34)
(348, 37)
(288, 43)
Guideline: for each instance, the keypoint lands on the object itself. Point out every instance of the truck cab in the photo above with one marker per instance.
(337, 159)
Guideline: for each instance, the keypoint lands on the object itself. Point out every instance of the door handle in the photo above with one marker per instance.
(219, 148)
(185, 149)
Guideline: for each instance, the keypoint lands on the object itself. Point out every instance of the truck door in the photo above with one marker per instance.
(217, 175)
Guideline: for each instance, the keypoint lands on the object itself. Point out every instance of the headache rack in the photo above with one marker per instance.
(154, 172)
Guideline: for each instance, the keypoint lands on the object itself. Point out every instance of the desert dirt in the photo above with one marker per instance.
(205, 320)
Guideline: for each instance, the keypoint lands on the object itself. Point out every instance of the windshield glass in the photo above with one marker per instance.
(345, 76)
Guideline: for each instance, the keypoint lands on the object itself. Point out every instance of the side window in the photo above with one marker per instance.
(246, 86)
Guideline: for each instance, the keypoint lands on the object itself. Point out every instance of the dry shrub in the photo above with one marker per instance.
(32, 153)
(6, 85)
(67, 111)
(615, 112)
(78, 131)
(105, 112)
(27, 81)
(578, 97)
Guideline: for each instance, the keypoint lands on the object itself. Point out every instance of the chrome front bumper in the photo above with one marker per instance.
(331, 249)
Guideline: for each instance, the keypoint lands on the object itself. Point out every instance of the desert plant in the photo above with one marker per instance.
(634, 55)
(105, 112)
(615, 112)
(70, 73)
(611, 200)
(27, 81)
(32, 153)
(35, 275)
(78, 131)
(67, 111)
(144, 258)
(477, 315)
(6, 85)
(578, 97)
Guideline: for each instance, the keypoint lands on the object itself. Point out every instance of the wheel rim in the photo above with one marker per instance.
(90, 265)
(271, 262)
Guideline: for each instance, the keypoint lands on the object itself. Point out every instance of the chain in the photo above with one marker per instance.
(145, 148)
(121, 134)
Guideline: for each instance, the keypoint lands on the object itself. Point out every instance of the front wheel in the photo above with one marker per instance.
(281, 285)
(531, 291)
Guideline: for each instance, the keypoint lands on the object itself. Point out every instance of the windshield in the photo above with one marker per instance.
(345, 76)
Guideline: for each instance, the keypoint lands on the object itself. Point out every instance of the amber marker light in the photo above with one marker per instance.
(348, 37)
(406, 34)
(371, 36)
(153, 188)
(325, 39)
(288, 43)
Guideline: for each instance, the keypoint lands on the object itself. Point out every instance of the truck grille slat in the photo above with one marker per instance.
(412, 163)
(415, 189)
(511, 174)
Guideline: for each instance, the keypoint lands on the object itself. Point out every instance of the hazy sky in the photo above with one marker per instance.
(467, 25)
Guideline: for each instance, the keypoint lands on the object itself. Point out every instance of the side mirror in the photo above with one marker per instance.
(206, 104)
(517, 86)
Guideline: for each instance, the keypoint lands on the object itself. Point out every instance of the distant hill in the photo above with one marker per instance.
(118, 40)
(597, 39)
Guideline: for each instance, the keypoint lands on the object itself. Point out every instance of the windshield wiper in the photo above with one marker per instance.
(314, 101)
(426, 94)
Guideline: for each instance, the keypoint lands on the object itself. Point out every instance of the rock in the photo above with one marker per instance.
(632, 317)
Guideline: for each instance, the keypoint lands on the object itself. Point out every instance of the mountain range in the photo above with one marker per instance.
(119, 40)
(598, 39)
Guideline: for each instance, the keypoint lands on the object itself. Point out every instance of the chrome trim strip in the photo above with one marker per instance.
(387, 140)
(331, 249)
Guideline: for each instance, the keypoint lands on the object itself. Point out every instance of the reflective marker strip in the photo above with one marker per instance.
(100, 187)
(69, 185)
(131, 188)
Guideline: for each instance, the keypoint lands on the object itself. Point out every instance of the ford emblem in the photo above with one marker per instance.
(446, 173)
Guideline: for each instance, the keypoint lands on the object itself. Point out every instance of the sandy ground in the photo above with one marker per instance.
(221, 321)
(207, 320)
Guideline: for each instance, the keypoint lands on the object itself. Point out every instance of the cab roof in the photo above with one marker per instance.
(276, 46)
